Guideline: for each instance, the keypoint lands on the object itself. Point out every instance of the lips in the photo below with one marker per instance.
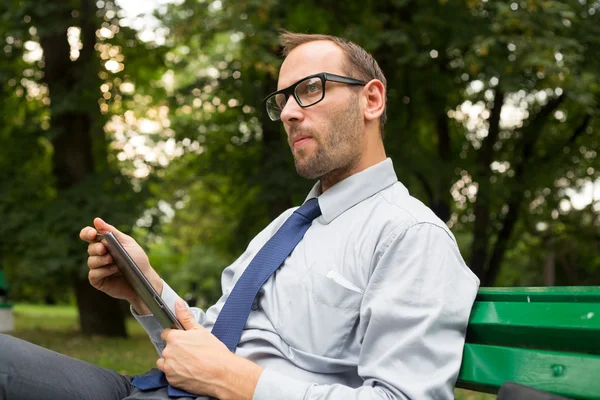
(300, 140)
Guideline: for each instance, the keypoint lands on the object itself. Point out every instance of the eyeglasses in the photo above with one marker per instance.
(307, 92)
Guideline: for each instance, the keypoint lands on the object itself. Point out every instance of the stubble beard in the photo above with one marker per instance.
(337, 150)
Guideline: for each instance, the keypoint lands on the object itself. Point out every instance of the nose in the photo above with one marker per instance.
(292, 112)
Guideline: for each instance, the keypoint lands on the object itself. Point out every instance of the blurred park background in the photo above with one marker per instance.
(149, 114)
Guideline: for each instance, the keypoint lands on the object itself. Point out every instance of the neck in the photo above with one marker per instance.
(373, 154)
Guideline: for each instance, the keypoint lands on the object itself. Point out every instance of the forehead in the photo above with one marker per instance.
(308, 59)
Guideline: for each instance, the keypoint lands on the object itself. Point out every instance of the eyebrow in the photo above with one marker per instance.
(304, 77)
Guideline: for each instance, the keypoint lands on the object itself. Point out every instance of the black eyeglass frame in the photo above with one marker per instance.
(324, 76)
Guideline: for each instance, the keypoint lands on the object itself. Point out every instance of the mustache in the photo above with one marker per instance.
(298, 131)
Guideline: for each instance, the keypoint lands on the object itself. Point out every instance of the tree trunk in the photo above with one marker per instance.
(508, 225)
(74, 90)
(99, 314)
(481, 228)
(524, 163)
(549, 268)
(441, 205)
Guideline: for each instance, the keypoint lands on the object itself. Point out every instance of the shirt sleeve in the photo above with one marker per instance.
(413, 321)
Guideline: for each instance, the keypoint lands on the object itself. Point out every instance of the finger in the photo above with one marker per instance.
(88, 234)
(164, 335)
(103, 226)
(160, 364)
(96, 249)
(97, 275)
(185, 316)
(99, 261)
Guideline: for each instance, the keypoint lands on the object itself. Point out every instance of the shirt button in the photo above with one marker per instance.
(254, 305)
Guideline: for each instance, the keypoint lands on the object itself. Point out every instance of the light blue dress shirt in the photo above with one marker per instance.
(373, 303)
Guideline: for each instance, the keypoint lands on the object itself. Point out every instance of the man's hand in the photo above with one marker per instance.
(196, 361)
(104, 274)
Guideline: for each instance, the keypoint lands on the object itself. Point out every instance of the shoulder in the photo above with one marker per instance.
(398, 212)
(414, 232)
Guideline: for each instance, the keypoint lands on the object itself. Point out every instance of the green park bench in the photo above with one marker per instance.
(546, 338)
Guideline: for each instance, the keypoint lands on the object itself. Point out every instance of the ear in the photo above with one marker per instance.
(374, 99)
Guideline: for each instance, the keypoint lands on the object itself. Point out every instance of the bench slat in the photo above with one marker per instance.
(567, 294)
(486, 368)
(553, 326)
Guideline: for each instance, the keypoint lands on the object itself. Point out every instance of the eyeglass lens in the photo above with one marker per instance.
(308, 92)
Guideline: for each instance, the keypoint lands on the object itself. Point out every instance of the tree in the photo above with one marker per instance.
(73, 157)
(492, 122)
(443, 61)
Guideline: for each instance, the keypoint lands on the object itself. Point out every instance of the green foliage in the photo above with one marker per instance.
(502, 186)
(195, 273)
(47, 248)
(441, 59)
(46, 193)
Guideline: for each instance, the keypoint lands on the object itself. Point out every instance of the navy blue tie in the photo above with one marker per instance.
(234, 314)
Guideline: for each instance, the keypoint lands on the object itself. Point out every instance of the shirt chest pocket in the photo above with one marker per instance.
(319, 311)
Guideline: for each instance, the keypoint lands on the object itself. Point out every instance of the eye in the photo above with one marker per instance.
(309, 87)
(313, 88)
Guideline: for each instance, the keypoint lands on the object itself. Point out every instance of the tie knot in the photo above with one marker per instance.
(310, 210)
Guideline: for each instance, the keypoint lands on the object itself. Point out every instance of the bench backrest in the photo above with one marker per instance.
(547, 338)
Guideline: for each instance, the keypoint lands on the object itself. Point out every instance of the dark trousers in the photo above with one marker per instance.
(30, 372)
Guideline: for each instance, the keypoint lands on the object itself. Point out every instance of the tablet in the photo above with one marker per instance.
(138, 281)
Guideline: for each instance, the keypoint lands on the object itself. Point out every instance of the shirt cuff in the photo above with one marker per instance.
(273, 385)
(152, 327)
(169, 296)
(151, 324)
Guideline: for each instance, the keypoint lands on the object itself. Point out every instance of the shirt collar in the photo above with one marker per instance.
(354, 189)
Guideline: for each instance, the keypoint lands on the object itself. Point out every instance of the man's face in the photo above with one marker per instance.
(327, 136)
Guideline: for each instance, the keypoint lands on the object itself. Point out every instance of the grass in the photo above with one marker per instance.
(57, 328)
(461, 394)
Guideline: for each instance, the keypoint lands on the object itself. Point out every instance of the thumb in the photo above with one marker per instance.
(185, 316)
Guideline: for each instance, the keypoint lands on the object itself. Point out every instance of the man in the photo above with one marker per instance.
(372, 302)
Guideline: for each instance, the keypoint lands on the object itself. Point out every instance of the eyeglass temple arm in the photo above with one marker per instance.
(343, 79)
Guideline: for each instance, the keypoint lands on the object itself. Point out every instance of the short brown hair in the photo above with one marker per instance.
(359, 64)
